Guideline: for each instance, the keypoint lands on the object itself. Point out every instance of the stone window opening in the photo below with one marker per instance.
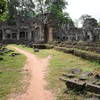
(64, 38)
(88, 37)
(14, 35)
(22, 35)
(8, 36)
(58, 38)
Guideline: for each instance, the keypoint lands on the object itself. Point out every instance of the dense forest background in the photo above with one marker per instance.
(9, 9)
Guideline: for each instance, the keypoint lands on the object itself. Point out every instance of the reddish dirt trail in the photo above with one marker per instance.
(36, 89)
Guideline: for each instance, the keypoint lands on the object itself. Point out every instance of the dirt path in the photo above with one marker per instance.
(37, 68)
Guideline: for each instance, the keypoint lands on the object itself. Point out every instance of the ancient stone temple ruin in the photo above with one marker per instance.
(90, 31)
(42, 29)
(26, 29)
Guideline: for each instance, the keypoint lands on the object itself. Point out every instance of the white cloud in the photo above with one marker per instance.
(77, 8)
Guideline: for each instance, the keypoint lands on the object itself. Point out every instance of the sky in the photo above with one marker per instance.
(76, 8)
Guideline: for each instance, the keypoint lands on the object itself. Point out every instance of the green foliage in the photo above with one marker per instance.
(21, 7)
(29, 9)
(57, 7)
(40, 6)
(3, 6)
(3, 10)
(4, 16)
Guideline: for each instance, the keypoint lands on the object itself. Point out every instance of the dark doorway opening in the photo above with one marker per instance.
(14, 36)
(22, 35)
(1, 35)
(8, 36)
(33, 35)
(46, 32)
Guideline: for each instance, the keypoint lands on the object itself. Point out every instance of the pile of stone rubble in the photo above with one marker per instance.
(78, 80)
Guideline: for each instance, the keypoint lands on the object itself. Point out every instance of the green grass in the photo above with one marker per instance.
(41, 54)
(59, 64)
(10, 74)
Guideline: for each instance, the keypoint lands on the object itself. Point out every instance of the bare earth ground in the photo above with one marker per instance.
(37, 68)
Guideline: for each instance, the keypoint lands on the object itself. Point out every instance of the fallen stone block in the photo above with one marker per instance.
(82, 86)
(14, 54)
(36, 50)
(83, 78)
(93, 88)
(97, 83)
(75, 85)
(88, 74)
(76, 71)
(69, 75)
(97, 76)
(93, 98)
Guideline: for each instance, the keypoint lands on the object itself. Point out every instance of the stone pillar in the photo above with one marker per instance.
(76, 36)
(18, 35)
(3, 34)
(50, 34)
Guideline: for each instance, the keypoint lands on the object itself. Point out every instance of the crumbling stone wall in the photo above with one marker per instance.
(43, 28)
(89, 32)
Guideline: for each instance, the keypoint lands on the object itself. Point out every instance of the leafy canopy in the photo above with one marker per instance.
(3, 9)
(3, 6)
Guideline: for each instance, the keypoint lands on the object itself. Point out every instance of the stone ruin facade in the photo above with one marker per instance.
(23, 28)
(90, 32)
(42, 29)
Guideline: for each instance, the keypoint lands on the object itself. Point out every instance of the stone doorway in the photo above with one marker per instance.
(33, 35)
(89, 36)
(22, 36)
(1, 35)
(8, 36)
(46, 32)
(14, 36)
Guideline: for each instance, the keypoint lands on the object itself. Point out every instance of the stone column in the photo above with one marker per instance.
(50, 34)
(18, 35)
(3, 34)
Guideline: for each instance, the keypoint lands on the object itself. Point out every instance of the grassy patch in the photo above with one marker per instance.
(59, 64)
(42, 53)
(10, 74)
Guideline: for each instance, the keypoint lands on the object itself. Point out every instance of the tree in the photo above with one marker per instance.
(57, 8)
(3, 10)
(27, 8)
(53, 6)
(3, 6)
(20, 7)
